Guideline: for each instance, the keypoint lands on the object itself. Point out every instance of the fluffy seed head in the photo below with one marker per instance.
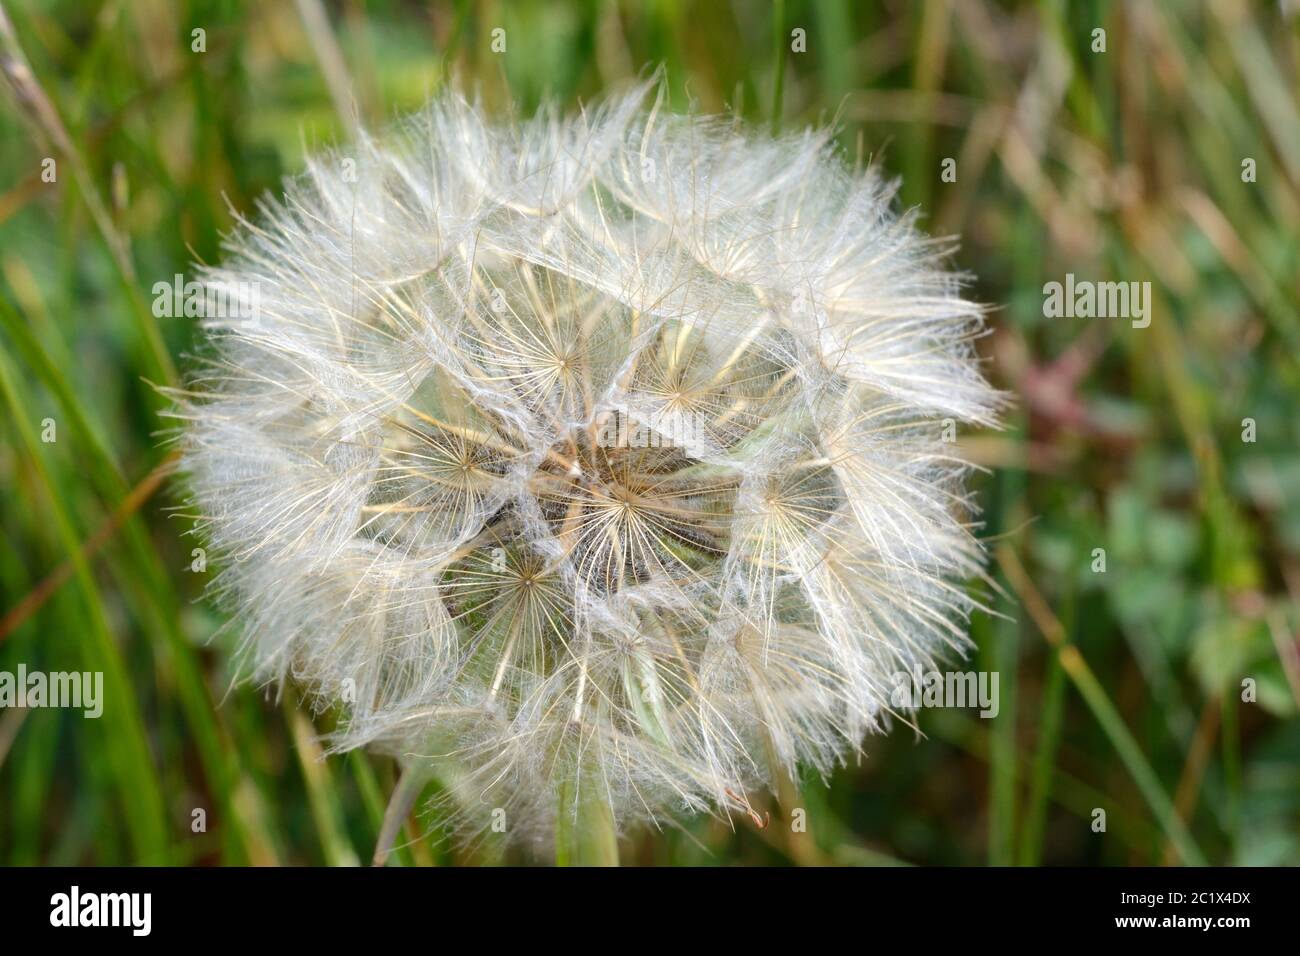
(596, 455)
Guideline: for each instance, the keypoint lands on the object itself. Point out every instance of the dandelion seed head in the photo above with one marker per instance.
(594, 452)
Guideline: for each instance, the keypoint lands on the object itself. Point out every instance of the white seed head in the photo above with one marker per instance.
(590, 455)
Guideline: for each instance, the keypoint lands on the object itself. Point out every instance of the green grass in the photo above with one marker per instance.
(1121, 691)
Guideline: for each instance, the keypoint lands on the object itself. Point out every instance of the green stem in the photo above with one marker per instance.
(584, 827)
(1031, 836)
(407, 791)
(1131, 754)
(779, 46)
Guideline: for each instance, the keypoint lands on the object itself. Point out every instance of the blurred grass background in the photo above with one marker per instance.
(1120, 690)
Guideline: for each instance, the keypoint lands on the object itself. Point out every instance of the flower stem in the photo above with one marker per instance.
(404, 796)
(584, 829)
